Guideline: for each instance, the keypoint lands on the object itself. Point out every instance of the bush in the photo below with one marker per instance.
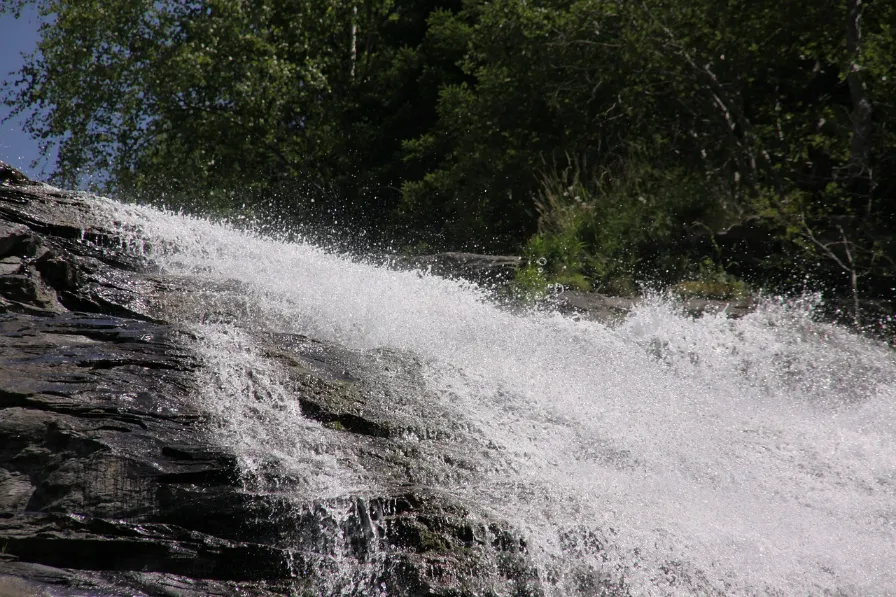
(615, 228)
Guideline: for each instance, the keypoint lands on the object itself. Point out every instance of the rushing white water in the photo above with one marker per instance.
(707, 456)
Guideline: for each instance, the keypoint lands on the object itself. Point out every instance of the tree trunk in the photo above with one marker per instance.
(354, 46)
(860, 174)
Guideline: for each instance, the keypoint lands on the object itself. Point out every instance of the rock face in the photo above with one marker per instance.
(612, 309)
(110, 485)
(481, 269)
(103, 486)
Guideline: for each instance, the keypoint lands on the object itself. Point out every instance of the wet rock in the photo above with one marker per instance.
(10, 176)
(10, 265)
(482, 269)
(111, 483)
(613, 309)
(106, 484)
(498, 270)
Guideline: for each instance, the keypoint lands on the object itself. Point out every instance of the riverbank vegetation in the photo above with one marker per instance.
(703, 145)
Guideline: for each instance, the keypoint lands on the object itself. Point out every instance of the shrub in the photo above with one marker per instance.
(614, 228)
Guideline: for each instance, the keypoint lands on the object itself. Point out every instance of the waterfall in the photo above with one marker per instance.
(673, 455)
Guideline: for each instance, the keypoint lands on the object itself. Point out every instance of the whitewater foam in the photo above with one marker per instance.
(689, 456)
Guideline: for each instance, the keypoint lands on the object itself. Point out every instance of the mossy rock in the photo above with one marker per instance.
(715, 290)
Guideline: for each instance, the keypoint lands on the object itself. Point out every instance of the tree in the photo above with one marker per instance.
(619, 135)
(232, 94)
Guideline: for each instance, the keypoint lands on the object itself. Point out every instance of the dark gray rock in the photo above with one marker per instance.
(495, 271)
(11, 176)
(110, 483)
(482, 269)
(612, 309)
(93, 410)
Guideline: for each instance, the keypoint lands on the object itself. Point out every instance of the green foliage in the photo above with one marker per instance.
(612, 141)
(208, 97)
(530, 283)
(612, 226)
(335, 425)
(711, 282)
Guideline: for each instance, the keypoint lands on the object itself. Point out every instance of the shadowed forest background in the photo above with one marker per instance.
(715, 147)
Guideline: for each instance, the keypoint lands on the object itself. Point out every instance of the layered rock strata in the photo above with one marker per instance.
(111, 482)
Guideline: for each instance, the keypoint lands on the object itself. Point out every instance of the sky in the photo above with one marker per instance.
(17, 148)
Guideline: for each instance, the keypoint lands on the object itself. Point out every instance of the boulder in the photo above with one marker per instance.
(486, 270)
